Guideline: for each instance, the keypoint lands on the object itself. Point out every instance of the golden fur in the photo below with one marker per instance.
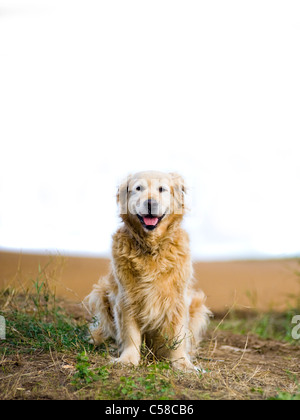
(149, 291)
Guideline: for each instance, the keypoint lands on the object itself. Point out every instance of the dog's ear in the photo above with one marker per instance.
(179, 190)
(122, 195)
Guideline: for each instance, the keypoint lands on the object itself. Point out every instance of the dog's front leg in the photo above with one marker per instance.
(129, 336)
(178, 354)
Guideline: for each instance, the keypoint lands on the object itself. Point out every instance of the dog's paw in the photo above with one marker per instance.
(128, 358)
(185, 365)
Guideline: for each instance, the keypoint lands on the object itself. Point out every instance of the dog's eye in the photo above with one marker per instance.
(138, 188)
(162, 189)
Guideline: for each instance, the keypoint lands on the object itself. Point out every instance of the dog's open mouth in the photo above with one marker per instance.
(150, 221)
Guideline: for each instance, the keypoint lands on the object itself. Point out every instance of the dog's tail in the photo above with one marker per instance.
(199, 317)
(97, 303)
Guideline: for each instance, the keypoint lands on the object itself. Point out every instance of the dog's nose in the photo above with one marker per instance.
(152, 206)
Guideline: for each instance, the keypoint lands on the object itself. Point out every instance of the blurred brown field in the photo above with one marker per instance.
(262, 285)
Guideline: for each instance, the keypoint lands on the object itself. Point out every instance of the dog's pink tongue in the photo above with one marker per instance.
(150, 221)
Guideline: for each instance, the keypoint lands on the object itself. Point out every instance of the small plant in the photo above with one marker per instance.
(286, 396)
(85, 374)
(174, 342)
(128, 388)
(155, 385)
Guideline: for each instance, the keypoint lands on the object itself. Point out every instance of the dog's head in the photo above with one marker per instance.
(151, 201)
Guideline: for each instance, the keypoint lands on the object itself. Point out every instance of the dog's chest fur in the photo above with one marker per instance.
(154, 284)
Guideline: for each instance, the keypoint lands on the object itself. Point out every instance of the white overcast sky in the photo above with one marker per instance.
(91, 90)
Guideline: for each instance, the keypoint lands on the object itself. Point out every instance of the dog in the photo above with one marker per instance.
(149, 292)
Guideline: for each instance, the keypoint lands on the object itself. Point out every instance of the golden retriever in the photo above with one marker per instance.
(149, 291)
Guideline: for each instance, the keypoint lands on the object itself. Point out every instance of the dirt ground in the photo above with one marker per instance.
(235, 366)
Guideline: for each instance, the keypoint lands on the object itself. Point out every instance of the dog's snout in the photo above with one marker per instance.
(151, 205)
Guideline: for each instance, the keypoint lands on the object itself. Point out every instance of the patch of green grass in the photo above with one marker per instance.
(276, 326)
(28, 333)
(287, 396)
(85, 374)
(35, 321)
(155, 384)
